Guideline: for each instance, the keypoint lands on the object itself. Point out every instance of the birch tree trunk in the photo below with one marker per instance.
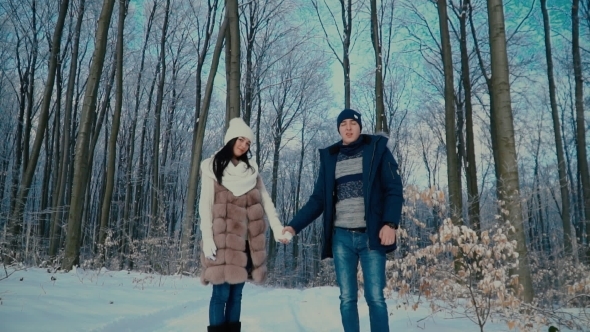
(508, 188)
(72, 251)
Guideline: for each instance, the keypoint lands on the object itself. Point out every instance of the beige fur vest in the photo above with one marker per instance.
(235, 221)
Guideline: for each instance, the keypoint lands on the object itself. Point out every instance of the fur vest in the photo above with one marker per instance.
(235, 221)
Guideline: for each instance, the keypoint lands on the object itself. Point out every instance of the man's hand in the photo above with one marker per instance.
(387, 235)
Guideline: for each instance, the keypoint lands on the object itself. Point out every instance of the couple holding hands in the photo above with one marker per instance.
(359, 192)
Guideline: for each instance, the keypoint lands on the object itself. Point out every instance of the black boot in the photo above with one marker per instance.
(217, 328)
(234, 327)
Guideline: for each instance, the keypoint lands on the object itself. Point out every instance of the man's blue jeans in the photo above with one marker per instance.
(348, 248)
(226, 304)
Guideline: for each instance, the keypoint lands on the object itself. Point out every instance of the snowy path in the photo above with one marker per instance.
(121, 301)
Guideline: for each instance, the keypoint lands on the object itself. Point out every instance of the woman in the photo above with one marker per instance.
(232, 205)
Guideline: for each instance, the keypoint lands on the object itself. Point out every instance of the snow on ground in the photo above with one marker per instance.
(131, 301)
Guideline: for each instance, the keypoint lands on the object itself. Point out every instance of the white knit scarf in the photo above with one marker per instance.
(239, 179)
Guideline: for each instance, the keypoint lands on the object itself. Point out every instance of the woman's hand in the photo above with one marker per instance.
(209, 248)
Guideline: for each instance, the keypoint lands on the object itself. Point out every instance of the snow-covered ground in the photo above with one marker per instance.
(131, 301)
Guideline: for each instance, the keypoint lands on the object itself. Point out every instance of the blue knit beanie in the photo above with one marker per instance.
(349, 114)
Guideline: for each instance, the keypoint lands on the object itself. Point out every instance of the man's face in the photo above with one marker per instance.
(349, 131)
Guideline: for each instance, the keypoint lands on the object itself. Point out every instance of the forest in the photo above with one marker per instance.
(108, 107)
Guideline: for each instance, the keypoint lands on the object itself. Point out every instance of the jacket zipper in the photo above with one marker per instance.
(390, 170)
(369, 196)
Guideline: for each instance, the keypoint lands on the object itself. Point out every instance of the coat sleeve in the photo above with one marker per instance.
(270, 211)
(206, 206)
(393, 189)
(314, 206)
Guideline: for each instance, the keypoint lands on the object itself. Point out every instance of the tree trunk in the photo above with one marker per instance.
(577, 211)
(66, 136)
(344, 37)
(155, 213)
(295, 240)
(17, 214)
(470, 165)
(508, 190)
(453, 165)
(197, 149)
(18, 151)
(258, 120)
(251, 31)
(54, 156)
(580, 124)
(168, 177)
(277, 135)
(139, 199)
(233, 88)
(493, 138)
(96, 128)
(127, 234)
(112, 143)
(31, 85)
(97, 122)
(563, 183)
(537, 195)
(18, 158)
(346, 7)
(52, 149)
(380, 118)
(72, 251)
(143, 170)
(586, 12)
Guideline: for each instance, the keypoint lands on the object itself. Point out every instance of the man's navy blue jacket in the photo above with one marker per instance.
(382, 192)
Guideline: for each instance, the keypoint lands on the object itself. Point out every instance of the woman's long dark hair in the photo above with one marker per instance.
(224, 156)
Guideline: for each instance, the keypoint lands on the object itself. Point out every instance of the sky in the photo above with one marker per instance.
(84, 300)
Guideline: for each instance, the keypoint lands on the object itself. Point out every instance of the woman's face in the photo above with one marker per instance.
(241, 146)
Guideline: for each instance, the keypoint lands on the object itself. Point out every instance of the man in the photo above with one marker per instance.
(360, 194)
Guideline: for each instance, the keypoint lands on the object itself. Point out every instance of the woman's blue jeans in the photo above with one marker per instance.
(349, 248)
(226, 304)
